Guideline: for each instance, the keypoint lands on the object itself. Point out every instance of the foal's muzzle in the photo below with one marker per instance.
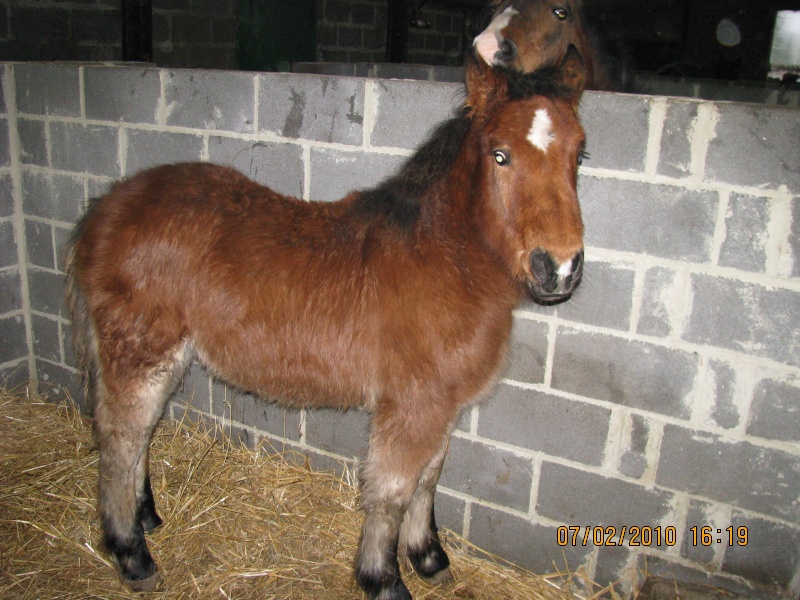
(554, 282)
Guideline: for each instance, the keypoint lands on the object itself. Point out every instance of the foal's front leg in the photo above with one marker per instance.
(418, 534)
(403, 452)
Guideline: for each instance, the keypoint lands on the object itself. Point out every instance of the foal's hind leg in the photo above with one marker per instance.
(125, 417)
(401, 449)
(418, 533)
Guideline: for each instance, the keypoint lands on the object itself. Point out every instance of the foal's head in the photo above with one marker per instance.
(527, 34)
(531, 144)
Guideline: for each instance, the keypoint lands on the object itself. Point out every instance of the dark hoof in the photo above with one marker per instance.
(431, 563)
(135, 565)
(150, 584)
(389, 587)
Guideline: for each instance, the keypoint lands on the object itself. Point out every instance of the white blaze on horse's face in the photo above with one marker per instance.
(487, 44)
(541, 132)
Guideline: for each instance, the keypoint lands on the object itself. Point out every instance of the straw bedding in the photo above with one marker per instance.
(238, 523)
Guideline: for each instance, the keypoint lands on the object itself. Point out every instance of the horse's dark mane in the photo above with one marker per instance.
(546, 81)
(398, 198)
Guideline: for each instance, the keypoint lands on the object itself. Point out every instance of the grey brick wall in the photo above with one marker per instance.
(666, 393)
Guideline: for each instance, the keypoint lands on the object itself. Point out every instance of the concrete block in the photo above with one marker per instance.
(664, 295)
(46, 338)
(59, 382)
(335, 173)
(15, 343)
(633, 461)
(62, 236)
(97, 28)
(5, 155)
(755, 151)
(322, 109)
(15, 375)
(604, 297)
(746, 234)
(761, 479)
(775, 411)
(150, 148)
(407, 112)
(91, 149)
(10, 291)
(46, 291)
(769, 555)
(532, 546)
(39, 241)
(211, 100)
(745, 317)
(345, 433)
(126, 94)
(266, 416)
(624, 372)
(8, 245)
(794, 237)
(32, 142)
(694, 544)
(6, 195)
(556, 426)
(488, 473)
(675, 154)
(725, 412)
(48, 89)
(570, 496)
(658, 220)
(52, 196)
(528, 351)
(724, 586)
(612, 566)
(616, 130)
(194, 390)
(449, 512)
(278, 166)
(190, 28)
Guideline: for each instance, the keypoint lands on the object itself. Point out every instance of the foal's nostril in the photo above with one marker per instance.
(542, 267)
(577, 265)
(507, 52)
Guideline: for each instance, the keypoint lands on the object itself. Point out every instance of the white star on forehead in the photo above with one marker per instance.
(541, 131)
(488, 42)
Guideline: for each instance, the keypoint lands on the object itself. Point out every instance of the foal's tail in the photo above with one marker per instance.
(83, 338)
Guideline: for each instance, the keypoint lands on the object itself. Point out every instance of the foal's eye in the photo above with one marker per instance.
(501, 157)
(582, 155)
(561, 13)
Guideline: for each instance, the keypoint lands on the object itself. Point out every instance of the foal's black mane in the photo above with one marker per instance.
(398, 198)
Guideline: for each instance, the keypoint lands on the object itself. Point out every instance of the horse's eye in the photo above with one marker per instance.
(561, 13)
(582, 155)
(501, 157)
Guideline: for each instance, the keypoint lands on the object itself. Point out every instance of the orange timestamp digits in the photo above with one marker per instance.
(577, 535)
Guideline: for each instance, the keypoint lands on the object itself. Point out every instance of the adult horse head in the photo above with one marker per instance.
(526, 35)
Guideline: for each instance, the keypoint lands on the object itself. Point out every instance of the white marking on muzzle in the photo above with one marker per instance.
(487, 44)
(541, 132)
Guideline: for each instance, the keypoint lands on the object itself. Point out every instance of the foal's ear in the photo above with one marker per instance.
(573, 73)
(483, 84)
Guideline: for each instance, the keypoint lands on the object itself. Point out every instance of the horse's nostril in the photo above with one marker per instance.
(577, 263)
(507, 52)
(542, 266)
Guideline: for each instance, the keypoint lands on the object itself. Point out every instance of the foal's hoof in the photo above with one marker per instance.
(440, 578)
(144, 585)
